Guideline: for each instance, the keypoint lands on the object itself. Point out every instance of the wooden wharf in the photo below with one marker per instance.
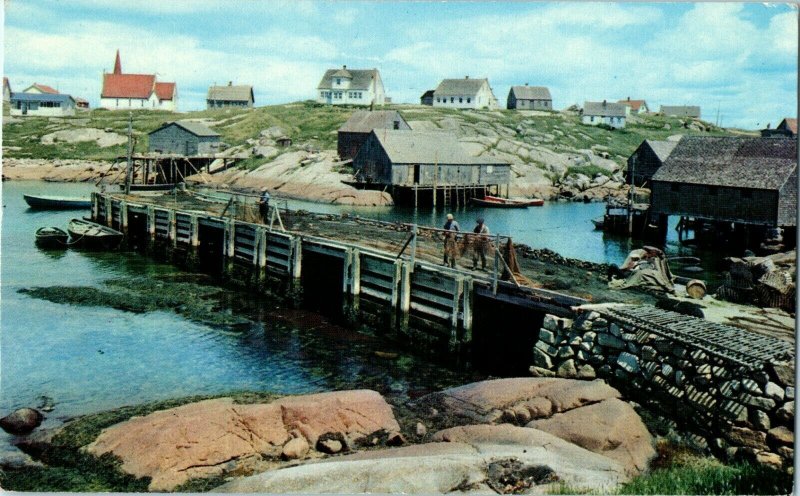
(423, 301)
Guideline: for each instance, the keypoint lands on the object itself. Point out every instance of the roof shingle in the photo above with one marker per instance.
(240, 93)
(128, 85)
(362, 78)
(531, 93)
(364, 121)
(456, 87)
(415, 147)
(604, 109)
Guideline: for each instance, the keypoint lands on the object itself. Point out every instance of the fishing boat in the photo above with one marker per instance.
(498, 202)
(56, 202)
(150, 187)
(598, 223)
(86, 234)
(51, 237)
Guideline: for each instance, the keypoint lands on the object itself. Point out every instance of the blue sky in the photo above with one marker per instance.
(740, 58)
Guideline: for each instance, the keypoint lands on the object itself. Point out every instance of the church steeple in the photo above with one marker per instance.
(117, 64)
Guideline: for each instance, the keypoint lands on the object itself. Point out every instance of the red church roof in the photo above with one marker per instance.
(128, 85)
(165, 91)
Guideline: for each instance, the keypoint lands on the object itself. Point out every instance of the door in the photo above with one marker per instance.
(416, 173)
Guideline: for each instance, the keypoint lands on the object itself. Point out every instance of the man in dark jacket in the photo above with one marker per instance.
(450, 248)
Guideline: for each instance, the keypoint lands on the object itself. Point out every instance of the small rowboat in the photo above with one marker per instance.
(51, 237)
(150, 187)
(498, 202)
(599, 223)
(87, 234)
(56, 202)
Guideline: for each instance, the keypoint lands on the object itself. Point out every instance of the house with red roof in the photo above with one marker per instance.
(136, 91)
(634, 106)
(40, 89)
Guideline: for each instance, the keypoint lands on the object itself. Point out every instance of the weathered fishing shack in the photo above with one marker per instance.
(734, 187)
(184, 138)
(427, 167)
(355, 131)
(646, 160)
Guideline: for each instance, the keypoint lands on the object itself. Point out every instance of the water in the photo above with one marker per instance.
(94, 358)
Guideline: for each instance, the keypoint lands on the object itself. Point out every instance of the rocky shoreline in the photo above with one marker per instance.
(494, 436)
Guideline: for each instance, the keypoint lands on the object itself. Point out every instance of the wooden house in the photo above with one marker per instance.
(355, 131)
(351, 86)
(136, 91)
(610, 114)
(787, 127)
(426, 98)
(634, 107)
(692, 111)
(529, 98)
(464, 94)
(240, 96)
(646, 160)
(749, 181)
(6, 90)
(185, 138)
(40, 89)
(41, 104)
(412, 158)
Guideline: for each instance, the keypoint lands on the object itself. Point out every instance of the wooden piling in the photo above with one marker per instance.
(404, 275)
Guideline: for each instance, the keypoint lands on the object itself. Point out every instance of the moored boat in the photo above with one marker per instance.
(598, 223)
(86, 234)
(498, 202)
(51, 237)
(56, 202)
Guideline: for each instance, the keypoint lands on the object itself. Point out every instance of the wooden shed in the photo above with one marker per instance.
(354, 132)
(751, 181)
(646, 160)
(185, 138)
(412, 158)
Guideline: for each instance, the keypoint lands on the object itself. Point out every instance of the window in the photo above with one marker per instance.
(460, 100)
(452, 99)
(591, 119)
(469, 99)
(338, 81)
(438, 99)
(397, 124)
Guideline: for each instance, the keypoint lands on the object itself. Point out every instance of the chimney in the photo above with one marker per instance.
(526, 84)
(344, 67)
(604, 103)
(230, 83)
(466, 77)
(629, 98)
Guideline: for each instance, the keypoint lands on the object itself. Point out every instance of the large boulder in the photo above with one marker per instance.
(611, 428)
(212, 437)
(21, 421)
(495, 400)
(475, 459)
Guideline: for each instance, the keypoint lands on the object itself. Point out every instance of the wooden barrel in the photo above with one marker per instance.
(696, 289)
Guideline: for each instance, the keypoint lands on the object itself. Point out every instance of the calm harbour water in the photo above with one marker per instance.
(94, 358)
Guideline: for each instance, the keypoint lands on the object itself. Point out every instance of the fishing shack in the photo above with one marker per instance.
(355, 131)
(185, 138)
(421, 167)
(731, 189)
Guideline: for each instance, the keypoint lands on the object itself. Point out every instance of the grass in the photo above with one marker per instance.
(589, 171)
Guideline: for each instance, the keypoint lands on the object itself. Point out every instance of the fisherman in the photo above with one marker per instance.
(263, 205)
(480, 243)
(450, 248)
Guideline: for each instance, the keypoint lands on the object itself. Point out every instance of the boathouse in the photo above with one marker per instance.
(750, 181)
(355, 131)
(185, 138)
(529, 98)
(646, 160)
(411, 161)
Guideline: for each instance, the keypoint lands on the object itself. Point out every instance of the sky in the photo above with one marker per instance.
(738, 61)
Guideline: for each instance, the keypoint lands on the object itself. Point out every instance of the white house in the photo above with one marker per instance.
(610, 114)
(351, 86)
(42, 104)
(136, 91)
(635, 107)
(464, 94)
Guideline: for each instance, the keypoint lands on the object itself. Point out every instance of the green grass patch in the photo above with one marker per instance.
(589, 171)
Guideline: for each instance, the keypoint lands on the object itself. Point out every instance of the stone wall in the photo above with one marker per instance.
(736, 412)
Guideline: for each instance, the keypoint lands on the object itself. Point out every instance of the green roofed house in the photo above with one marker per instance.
(185, 138)
(240, 96)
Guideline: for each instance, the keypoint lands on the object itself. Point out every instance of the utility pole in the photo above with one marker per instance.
(631, 194)
(129, 170)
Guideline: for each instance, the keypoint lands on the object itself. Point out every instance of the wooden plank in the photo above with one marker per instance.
(375, 294)
(375, 281)
(418, 307)
(525, 302)
(322, 249)
(211, 222)
(245, 251)
(444, 301)
(378, 266)
(278, 251)
(438, 282)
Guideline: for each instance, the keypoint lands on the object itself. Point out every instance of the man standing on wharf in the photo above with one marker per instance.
(263, 205)
(450, 248)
